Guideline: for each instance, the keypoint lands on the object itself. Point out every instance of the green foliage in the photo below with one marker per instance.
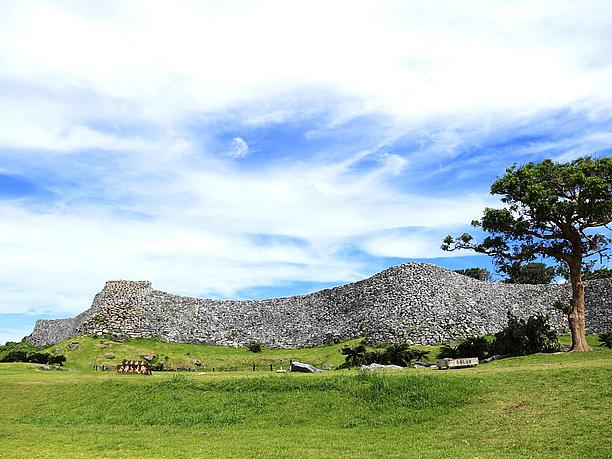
(354, 355)
(510, 408)
(17, 355)
(601, 273)
(606, 339)
(387, 354)
(552, 210)
(26, 352)
(524, 337)
(255, 346)
(549, 207)
(530, 273)
(482, 274)
(520, 337)
(475, 346)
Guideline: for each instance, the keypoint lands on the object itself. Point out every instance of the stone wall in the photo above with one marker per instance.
(417, 302)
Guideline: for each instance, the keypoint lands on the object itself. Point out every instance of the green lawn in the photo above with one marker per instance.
(538, 406)
(92, 351)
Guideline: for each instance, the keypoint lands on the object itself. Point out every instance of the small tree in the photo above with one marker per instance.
(530, 273)
(555, 210)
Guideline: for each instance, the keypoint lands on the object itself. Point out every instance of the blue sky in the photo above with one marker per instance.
(272, 148)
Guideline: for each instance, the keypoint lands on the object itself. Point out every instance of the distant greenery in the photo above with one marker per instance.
(529, 273)
(520, 337)
(91, 351)
(390, 354)
(482, 274)
(601, 273)
(25, 352)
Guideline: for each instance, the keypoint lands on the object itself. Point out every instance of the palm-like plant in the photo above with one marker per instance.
(355, 356)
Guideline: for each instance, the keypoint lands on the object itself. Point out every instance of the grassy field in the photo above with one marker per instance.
(538, 406)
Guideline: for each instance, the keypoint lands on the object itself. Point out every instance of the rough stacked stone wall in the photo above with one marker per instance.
(417, 302)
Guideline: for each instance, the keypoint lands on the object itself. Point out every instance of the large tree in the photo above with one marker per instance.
(557, 210)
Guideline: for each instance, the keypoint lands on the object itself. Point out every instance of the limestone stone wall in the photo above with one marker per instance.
(415, 302)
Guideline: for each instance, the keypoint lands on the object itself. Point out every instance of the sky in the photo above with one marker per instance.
(270, 148)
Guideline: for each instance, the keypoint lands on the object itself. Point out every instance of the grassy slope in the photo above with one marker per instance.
(544, 406)
(92, 352)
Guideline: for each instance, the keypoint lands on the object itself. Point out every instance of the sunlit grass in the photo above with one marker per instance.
(537, 406)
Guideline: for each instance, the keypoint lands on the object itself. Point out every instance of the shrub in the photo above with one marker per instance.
(56, 360)
(38, 357)
(15, 355)
(530, 273)
(18, 355)
(523, 337)
(475, 346)
(606, 339)
(389, 354)
(602, 273)
(376, 356)
(255, 346)
(448, 351)
(354, 355)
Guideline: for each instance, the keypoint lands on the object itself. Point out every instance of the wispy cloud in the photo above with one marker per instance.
(239, 148)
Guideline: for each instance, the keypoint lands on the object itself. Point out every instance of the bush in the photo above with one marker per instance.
(23, 351)
(56, 360)
(354, 355)
(255, 346)
(602, 273)
(376, 356)
(448, 351)
(476, 346)
(402, 355)
(15, 355)
(524, 337)
(606, 339)
(530, 273)
(18, 355)
(520, 337)
(390, 354)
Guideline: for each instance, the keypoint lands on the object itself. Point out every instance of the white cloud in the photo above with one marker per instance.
(408, 60)
(239, 148)
(202, 230)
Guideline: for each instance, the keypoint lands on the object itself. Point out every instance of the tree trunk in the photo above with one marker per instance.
(576, 314)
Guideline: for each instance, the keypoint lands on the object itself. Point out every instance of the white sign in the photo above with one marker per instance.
(457, 363)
